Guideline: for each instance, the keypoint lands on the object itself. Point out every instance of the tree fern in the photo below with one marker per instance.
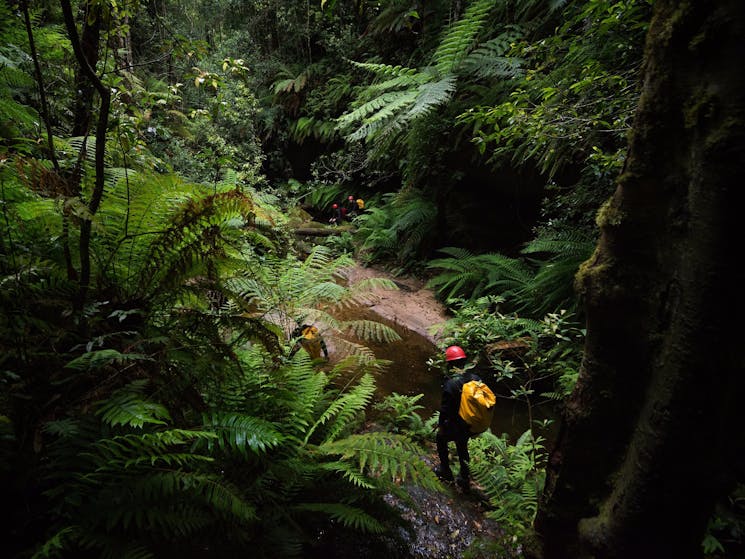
(408, 94)
(461, 37)
(467, 275)
(491, 59)
(343, 409)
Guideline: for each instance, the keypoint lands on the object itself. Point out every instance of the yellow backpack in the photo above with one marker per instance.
(360, 204)
(477, 405)
(311, 342)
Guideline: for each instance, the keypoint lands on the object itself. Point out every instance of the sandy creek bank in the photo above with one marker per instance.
(412, 305)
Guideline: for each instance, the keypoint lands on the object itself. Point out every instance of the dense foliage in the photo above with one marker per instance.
(153, 159)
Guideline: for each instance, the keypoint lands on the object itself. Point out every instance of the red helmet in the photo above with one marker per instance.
(335, 206)
(454, 352)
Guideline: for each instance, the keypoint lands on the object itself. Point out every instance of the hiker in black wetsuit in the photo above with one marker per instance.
(336, 215)
(451, 426)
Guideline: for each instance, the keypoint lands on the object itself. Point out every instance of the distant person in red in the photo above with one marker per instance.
(351, 208)
(336, 215)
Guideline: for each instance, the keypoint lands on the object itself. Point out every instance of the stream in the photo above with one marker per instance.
(438, 525)
(408, 374)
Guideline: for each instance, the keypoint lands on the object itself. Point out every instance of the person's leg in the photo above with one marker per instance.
(443, 472)
(461, 445)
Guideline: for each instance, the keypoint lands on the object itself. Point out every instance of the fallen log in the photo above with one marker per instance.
(320, 231)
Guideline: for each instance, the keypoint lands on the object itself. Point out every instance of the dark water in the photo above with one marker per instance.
(409, 374)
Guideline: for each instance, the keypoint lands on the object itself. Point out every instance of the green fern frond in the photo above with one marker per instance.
(467, 275)
(62, 428)
(461, 37)
(431, 95)
(57, 543)
(17, 113)
(45, 210)
(13, 77)
(399, 82)
(127, 407)
(354, 352)
(376, 113)
(342, 410)
(307, 392)
(491, 59)
(102, 357)
(563, 244)
(241, 433)
(387, 69)
(383, 454)
(370, 330)
(370, 107)
(178, 503)
(124, 450)
(351, 517)
(350, 473)
(84, 145)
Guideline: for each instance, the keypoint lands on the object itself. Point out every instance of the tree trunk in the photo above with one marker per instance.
(651, 435)
(104, 94)
(89, 43)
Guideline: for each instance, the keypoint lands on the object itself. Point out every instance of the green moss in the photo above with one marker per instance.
(701, 106)
(591, 268)
(670, 23)
(728, 132)
(609, 214)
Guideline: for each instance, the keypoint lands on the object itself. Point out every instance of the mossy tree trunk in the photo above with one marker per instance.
(652, 435)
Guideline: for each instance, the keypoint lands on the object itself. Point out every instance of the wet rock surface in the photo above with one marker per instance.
(449, 524)
(443, 525)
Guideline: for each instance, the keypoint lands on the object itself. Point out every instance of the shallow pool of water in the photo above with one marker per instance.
(409, 374)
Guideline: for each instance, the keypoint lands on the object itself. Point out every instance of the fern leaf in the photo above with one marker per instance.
(349, 473)
(102, 357)
(491, 60)
(461, 37)
(127, 407)
(351, 517)
(241, 433)
(343, 409)
(386, 69)
(56, 544)
(431, 95)
(384, 454)
(371, 330)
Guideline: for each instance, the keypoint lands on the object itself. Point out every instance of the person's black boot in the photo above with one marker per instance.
(463, 483)
(443, 475)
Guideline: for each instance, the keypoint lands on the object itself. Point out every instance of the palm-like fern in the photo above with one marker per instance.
(538, 286)
(282, 455)
(407, 94)
(470, 275)
(397, 229)
(552, 286)
(287, 292)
